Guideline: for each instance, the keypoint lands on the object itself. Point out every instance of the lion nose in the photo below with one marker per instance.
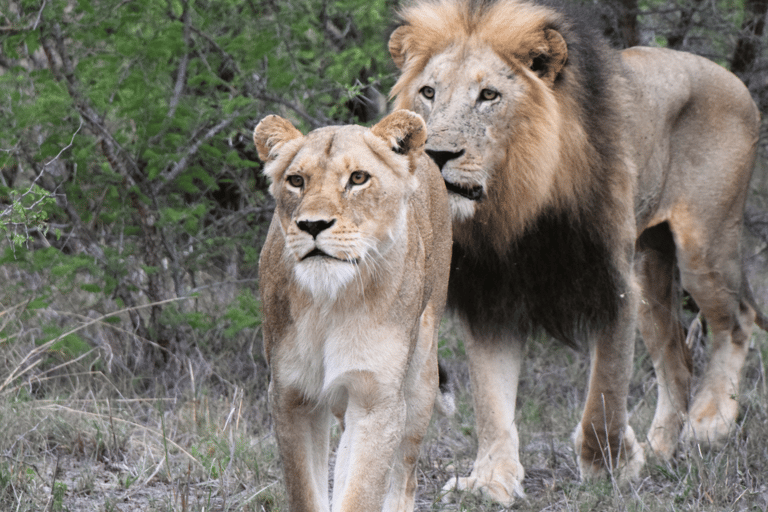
(441, 157)
(314, 227)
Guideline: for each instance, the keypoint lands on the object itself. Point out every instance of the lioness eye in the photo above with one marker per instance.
(359, 177)
(427, 92)
(296, 181)
(488, 95)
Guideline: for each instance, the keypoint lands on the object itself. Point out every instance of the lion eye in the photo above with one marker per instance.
(488, 95)
(428, 92)
(359, 177)
(295, 180)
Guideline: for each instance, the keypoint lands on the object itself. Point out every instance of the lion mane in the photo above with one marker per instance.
(524, 253)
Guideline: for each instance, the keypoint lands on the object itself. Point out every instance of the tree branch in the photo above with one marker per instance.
(183, 163)
(181, 79)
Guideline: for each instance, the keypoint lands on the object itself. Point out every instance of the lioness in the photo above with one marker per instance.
(585, 184)
(353, 278)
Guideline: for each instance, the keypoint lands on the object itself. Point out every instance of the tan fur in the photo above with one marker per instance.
(674, 154)
(353, 332)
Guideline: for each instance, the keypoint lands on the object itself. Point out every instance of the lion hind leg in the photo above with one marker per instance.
(494, 366)
(711, 272)
(713, 413)
(662, 332)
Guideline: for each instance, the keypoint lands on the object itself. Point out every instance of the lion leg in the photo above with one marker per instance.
(662, 331)
(420, 391)
(302, 431)
(603, 439)
(374, 422)
(494, 369)
(711, 272)
(713, 412)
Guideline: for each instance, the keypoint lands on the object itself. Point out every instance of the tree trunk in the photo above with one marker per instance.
(626, 14)
(749, 43)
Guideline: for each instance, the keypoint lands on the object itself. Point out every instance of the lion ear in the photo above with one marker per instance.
(271, 133)
(403, 130)
(548, 59)
(398, 45)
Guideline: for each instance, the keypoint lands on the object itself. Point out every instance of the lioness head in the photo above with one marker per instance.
(485, 80)
(341, 194)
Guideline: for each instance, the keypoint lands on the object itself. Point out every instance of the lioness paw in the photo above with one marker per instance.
(503, 491)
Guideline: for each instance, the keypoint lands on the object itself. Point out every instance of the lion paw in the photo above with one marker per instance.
(501, 486)
(662, 440)
(631, 458)
(710, 423)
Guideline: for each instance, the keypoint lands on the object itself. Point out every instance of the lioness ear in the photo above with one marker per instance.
(403, 130)
(549, 58)
(397, 45)
(271, 133)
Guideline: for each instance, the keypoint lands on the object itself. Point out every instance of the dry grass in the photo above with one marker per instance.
(105, 432)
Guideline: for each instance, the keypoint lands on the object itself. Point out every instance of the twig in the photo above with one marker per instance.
(181, 79)
(127, 422)
(182, 164)
(16, 373)
(9, 209)
(313, 122)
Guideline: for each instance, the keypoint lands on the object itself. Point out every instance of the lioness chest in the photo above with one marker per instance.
(326, 344)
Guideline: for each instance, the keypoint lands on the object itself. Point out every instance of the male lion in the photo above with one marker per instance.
(580, 180)
(353, 276)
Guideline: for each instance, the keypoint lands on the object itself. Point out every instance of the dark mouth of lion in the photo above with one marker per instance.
(318, 253)
(471, 193)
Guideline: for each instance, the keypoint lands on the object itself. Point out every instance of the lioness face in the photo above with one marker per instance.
(341, 205)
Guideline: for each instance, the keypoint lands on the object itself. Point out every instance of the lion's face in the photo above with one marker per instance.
(469, 105)
(489, 103)
(341, 196)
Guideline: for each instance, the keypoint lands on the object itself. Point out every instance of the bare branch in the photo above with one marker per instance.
(93, 119)
(181, 79)
(183, 163)
(313, 121)
(9, 209)
(39, 16)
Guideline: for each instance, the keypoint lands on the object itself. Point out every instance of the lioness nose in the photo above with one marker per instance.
(314, 227)
(441, 157)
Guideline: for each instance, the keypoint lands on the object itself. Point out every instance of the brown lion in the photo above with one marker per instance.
(586, 185)
(353, 278)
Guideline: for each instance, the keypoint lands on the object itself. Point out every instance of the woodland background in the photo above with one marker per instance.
(132, 212)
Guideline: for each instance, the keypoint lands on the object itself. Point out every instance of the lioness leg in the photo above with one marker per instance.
(302, 431)
(374, 421)
(711, 273)
(603, 438)
(662, 331)
(494, 370)
(420, 391)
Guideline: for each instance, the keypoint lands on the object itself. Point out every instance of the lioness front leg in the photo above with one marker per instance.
(421, 388)
(603, 439)
(374, 422)
(494, 370)
(302, 431)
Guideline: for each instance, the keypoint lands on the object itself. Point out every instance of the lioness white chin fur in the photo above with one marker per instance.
(353, 278)
(585, 184)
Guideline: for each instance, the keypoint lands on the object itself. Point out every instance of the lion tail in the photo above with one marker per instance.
(445, 404)
(760, 319)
